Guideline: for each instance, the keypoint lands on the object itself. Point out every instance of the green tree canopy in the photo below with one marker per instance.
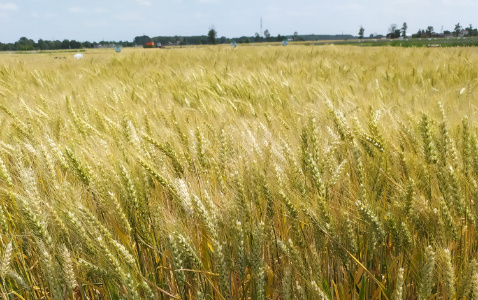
(211, 35)
(142, 40)
(404, 29)
(267, 34)
(457, 29)
(361, 31)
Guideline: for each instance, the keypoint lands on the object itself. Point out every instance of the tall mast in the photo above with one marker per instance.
(260, 33)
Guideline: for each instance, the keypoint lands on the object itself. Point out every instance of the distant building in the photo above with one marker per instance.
(99, 46)
(444, 35)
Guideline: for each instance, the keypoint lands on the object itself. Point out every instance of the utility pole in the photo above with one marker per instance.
(260, 32)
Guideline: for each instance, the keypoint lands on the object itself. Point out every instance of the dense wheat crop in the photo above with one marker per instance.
(249, 173)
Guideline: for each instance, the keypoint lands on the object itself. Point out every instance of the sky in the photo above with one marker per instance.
(94, 20)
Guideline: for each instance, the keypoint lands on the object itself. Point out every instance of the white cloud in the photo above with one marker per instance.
(8, 7)
(5, 8)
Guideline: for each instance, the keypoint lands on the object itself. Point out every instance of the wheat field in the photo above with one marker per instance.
(331, 172)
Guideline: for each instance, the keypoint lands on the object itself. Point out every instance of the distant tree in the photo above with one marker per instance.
(421, 33)
(404, 29)
(267, 34)
(361, 31)
(142, 40)
(470, 30)
(42, 45)
(392, 28)
(295, 37)
(430, 31)
(7, 47)
(457, 30)
(75, 45)
(393, 32)
(279, 38)
(223, 40)
(447, 32)
(56, 45)
(25, 44)
(211, 35)
(179, 40)
(65, 44)
(257, 37)
(396, 34)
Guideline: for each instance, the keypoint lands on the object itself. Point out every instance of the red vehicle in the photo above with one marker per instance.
(149, 45)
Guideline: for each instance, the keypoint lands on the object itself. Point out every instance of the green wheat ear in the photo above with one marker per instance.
(427, 273)
(398, 294)
(428, 144)
(78, 166)
(447, 272)
(4, 174)
(474, 291)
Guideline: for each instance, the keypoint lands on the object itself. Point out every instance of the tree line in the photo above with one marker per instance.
(395, 32)
(25, 44)
(268, 37)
